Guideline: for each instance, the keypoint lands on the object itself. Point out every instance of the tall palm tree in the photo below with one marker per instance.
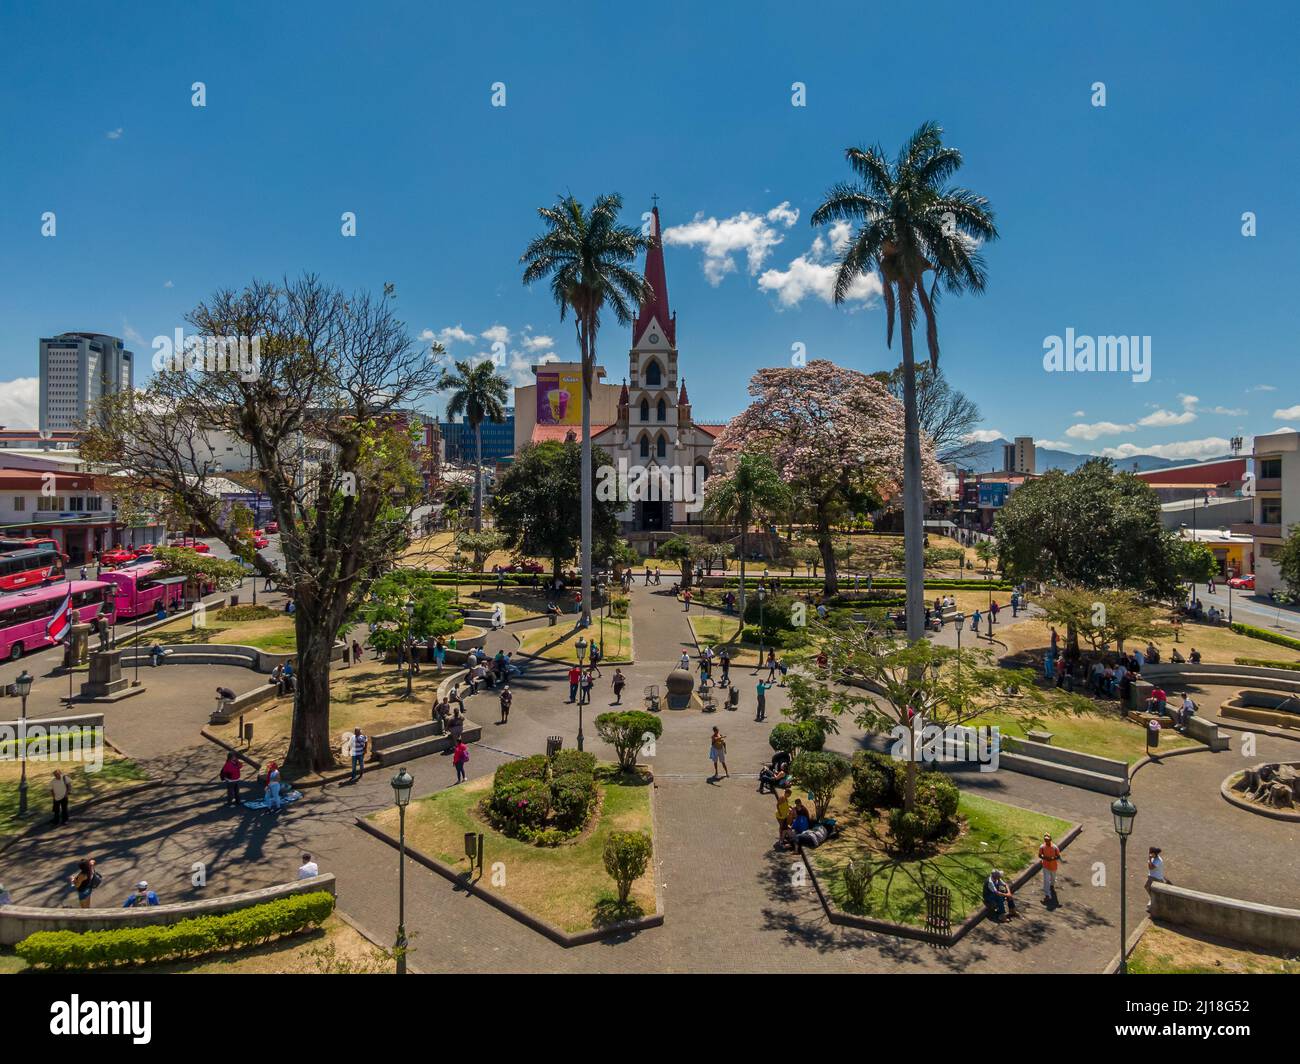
(478, 393)
(586, 255)
(909, 223)
(753, 491)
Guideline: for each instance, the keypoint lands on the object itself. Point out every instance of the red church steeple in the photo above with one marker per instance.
(657, 308)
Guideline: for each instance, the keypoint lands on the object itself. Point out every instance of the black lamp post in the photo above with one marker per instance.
(1123, 811)
(24, 687)
(402, 784)
(762, 597)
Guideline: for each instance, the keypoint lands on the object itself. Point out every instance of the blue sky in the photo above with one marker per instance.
(1123, 219)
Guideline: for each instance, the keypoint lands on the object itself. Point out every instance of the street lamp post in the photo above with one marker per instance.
(402, 784)
(24, 686)
(1123, 811)
(762, 597)
(959, 618)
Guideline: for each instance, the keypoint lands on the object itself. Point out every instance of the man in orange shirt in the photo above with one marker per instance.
(1050, 854)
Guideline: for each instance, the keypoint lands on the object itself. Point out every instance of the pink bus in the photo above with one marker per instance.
(138, 591)
(24, 614)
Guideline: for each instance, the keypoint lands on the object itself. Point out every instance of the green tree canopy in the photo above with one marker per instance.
(433, 610)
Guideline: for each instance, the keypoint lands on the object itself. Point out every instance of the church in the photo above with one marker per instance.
(660, 453)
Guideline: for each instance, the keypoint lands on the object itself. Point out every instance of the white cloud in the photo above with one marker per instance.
(19, 401)
(1188, 450)
(1097, 428)
(537, 343)
(1287, 412)
(114, 134)
(1164, 418)
(813, 274)
(168, 284)
(133, 334)
(754, 235)
(1227, 411)
(452, 334)
(497, 334)
(1261, 388)
(1079, 413)
(1055, 445)
(982, 436)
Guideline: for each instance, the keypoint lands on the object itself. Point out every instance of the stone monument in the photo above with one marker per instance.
(106, 683)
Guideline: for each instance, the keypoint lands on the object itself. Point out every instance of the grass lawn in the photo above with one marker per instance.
(1105, 733)
(274, 633)
(564, 885)
(1164, 951)
(719, 630)
(436, 551)
(370, 696)
(993, 835)
(332, 948)
(116, 772)
(521, 604)
(557, 643)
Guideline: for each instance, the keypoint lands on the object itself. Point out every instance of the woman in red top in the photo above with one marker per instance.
(460, 758)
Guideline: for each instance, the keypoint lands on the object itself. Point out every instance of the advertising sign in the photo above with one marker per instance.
(559, 397)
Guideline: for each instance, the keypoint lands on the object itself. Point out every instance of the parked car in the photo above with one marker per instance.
(117, 556)
(260, 542)
(1243, 583)
(272, 527)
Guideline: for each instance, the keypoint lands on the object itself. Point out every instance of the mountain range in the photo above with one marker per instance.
(988, 456)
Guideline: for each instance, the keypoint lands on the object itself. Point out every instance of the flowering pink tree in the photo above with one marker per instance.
(831, 432)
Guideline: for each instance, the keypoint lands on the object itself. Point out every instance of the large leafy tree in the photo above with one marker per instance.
(478, 394)
(1288, 562)
(432, 609)
(834, 432)
(910, 223)
(322, 411)
(749, 489)
(587, 256)
(534, 504)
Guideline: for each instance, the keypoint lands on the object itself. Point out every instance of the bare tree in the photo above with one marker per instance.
(946, 415)
(315, 386)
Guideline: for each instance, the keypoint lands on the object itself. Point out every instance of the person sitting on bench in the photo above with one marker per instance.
(775, 774)
(997, 897)
(1195, 656)
(1176, 657)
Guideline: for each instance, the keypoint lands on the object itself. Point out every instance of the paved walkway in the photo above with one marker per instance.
(732, 903)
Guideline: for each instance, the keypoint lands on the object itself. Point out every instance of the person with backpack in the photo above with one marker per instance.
(85, 882)
(460, 759)
(143, 896)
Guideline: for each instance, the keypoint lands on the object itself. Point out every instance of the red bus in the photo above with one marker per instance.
(138, 592)
(9, 544)
(24, 614)
(30, 568)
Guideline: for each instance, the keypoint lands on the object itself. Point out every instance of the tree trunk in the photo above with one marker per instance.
(588, 371)
(478, 477)
(744, 544)
(310, 749)
(913, 499)
(830, 583)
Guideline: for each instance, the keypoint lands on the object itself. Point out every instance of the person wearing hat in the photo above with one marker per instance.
(997, 897)
(142, 896)
(1050, 854)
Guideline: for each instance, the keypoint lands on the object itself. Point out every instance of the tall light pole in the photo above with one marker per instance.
(408, 608)
(762, 597)
(1123, 811)
(402, 784)
(24, 686)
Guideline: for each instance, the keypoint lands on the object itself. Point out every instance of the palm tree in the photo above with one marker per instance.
(909, 223)
(478, 393)
(586, 256)
(754, 490)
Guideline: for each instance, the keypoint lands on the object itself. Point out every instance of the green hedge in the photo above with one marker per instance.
(1266, 635)
(891, 582)
(1264, 663)
(187, 938)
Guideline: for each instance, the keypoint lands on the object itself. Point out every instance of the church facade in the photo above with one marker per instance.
(660, 455)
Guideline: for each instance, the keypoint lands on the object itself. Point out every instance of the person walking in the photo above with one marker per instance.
(620, 681)
(772, 667)
(718, 752)
(359, 743)
(456, 726)
(575, 678)
(85, 882)
(993, 609)
(763, 686)
(230, 777)
(596, 654)
(460, 759)
(686, 601)
(60, 788)
(505, 697)
(724, 662)
(975, 620)
(584, 688)
(1050, 854)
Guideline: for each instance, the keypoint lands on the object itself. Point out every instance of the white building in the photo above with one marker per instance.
(1277, 504)
(78, 369)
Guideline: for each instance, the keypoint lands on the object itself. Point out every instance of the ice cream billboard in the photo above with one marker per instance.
(559, 397)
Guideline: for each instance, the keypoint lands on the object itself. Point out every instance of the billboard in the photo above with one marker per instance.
(559, 397)
(993, 496)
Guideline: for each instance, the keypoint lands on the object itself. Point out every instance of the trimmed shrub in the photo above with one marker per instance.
(1266, 635)
(627, 854)
(247, 613)
(543, 801)
(857, 882)
(626, 732)
(819, 772)
(908, 830)
(186, 938)
(791, 738)
(1264, 663)
(874, 781)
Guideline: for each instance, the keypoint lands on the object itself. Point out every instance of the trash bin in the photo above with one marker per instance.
(1153, 733)
(733, 698)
